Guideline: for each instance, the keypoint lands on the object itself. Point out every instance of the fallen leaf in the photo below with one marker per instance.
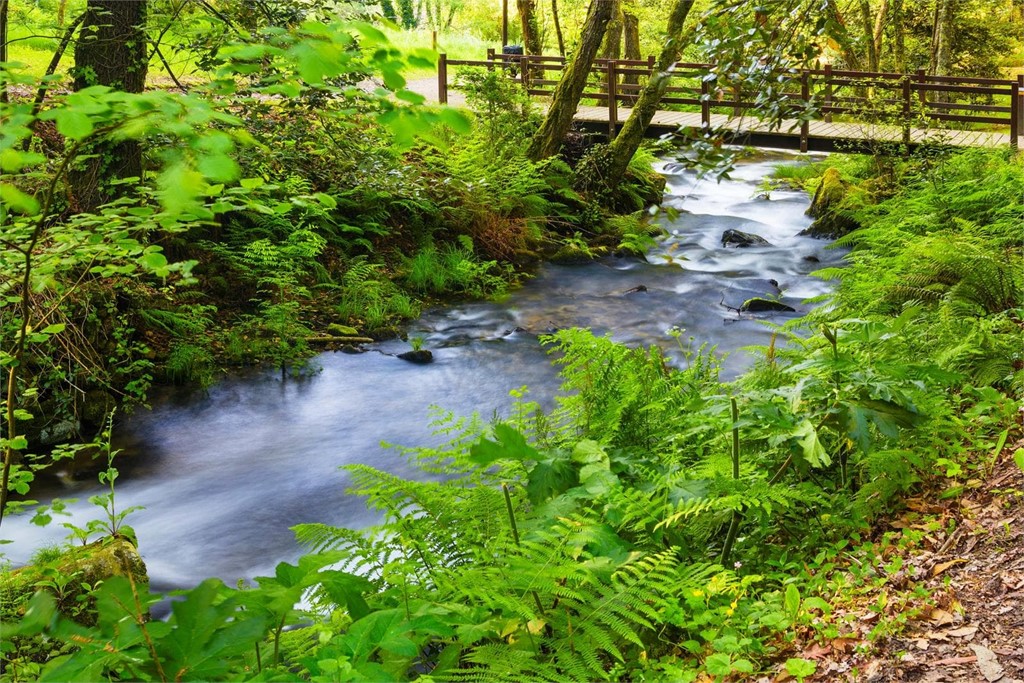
(963, 632)
(941, 617)
(922, 644)
(952, 660)
(988, 662)
(939, 568)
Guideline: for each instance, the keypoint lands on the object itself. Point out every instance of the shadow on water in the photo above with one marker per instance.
(224, 475)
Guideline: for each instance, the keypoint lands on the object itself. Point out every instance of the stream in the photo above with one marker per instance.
(223, 474)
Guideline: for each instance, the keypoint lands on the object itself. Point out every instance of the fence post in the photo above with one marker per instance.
(613, 93)
(705, 103)
(1016, 104)
(805, 97)
(828, 93)
(1020, 104)
(442, 78)
(524, 72)
(906, 111)
(651, 64)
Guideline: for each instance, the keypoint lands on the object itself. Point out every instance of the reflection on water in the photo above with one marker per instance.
(224, 475)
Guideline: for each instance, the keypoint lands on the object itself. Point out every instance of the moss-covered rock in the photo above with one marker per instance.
(828, 208)
(69, 574)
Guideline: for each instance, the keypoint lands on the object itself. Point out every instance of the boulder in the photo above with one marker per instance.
(738, 238)
(419, 356)
(827, 208)
(82, 566)
(759, 305)
(636, 290)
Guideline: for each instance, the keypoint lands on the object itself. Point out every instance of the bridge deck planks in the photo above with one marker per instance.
(669, 121)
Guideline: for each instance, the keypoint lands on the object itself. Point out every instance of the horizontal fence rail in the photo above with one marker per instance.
(910, 103)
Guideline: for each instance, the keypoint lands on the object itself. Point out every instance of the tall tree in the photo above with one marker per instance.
(112, 51)
(942, 30)
(548, 138)
(530, 25)
(558, 27)
(624, 146)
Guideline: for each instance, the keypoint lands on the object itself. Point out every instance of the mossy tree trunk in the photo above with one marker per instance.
(530, 25)
(624, 146)
(558, 27)
(631, 46)
(548, 139)
(112, 50)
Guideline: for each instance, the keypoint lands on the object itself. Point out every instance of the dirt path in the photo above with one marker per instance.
(970, 558)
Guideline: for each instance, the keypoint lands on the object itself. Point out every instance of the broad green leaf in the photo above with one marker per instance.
(13, 199)
(812, 450)
(791, 602)
(218, 167)
(326, 200)
(1018, 457)
(801, 668)
(718, 664)
(511, 445)
(153, 260)
(179, 188)
(73, 124)
(410, 96)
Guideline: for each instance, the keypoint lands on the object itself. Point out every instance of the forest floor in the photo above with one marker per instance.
(968, 622)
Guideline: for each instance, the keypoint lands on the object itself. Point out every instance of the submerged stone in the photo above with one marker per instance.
(738, 238)
(419, 356)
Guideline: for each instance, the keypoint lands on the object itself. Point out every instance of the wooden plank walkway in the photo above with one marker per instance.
(920, 108)
(823, 135)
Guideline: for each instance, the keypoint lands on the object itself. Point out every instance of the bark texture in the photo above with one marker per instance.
(111, 51)
(558, 27)
(548, 139)
(530, 26)
(624, 146)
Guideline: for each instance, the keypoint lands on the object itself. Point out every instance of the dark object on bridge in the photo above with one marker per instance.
(738, 238)
(419, 356)
(830, 220)
(512, 64)
(634, 290)
(758, 305)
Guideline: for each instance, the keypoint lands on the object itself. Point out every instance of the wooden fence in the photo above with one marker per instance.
(909, 101)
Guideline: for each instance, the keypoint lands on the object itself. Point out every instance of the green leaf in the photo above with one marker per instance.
(153, 260)
(206, 630)
(1018, 457)
(791, 602)
(179, 188)
(718, 664)
(410, 96)
(13, 199)
(511, 445)
(801, 668)
(73, 124)
(326, 200)
(811, 449)
(218, 167)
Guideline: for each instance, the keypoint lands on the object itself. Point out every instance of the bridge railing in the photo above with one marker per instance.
(908, 101)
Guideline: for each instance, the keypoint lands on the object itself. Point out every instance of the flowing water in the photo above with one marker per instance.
(223, 475)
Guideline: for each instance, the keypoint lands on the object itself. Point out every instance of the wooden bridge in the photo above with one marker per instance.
(825, 109)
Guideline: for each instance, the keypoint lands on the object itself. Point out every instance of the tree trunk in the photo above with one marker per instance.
(941, 29)
(612, 47)
(111, 51)
(624, 146)
(3, 44)
(631, 46)
(531, 29)
(850, 55)
(548, 139)
(558, 27)
(899, 35)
